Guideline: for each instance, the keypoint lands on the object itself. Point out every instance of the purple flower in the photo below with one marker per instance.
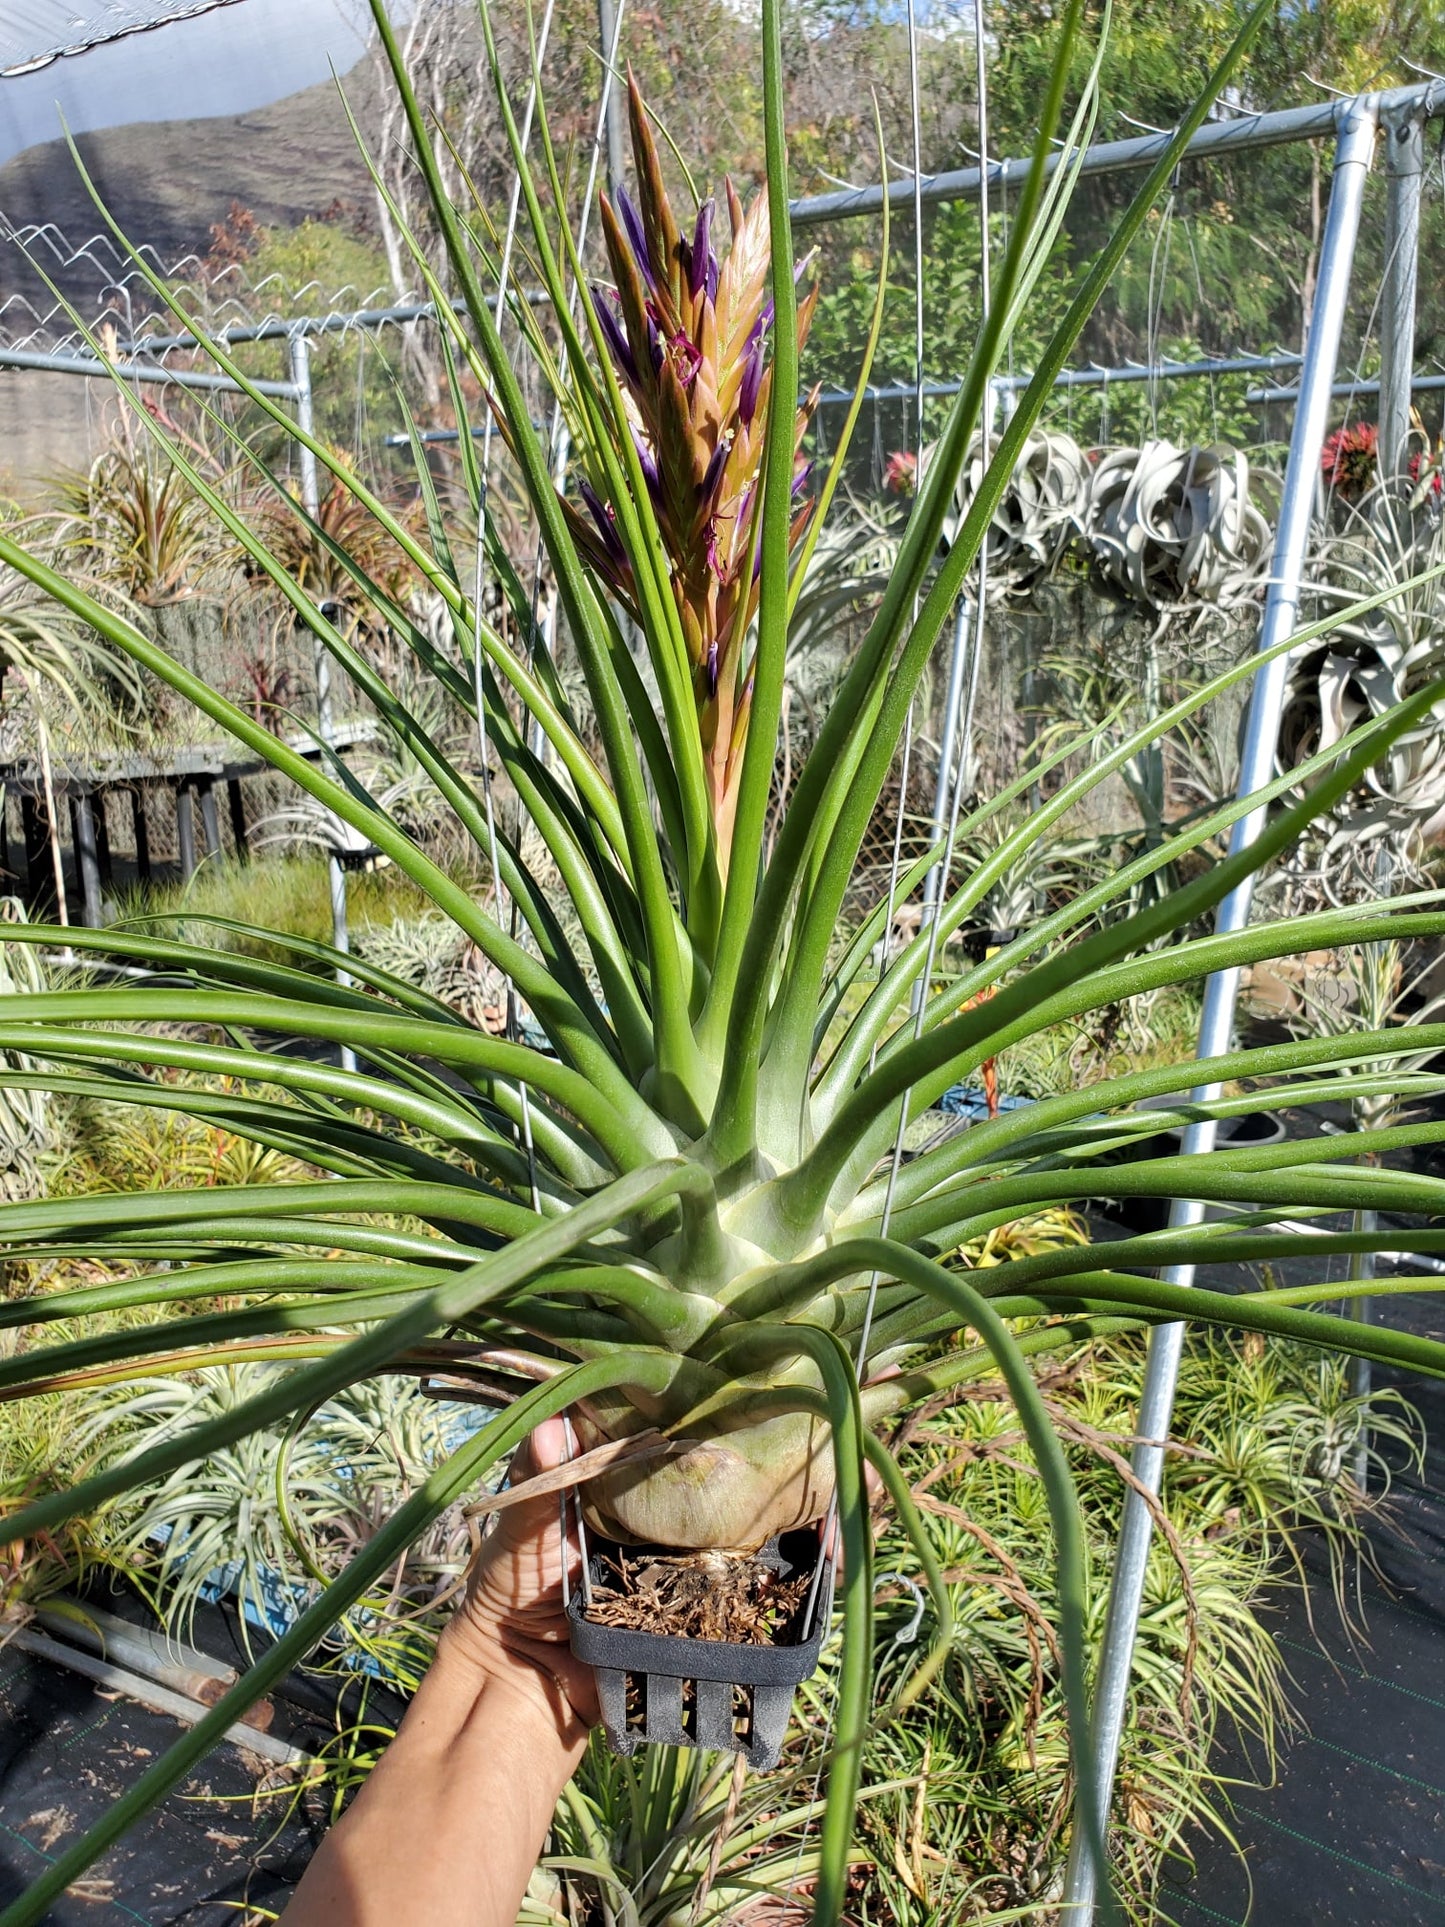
(602, 516)
(607, 319)
(760, 326)
(650, 472)
(686, 357)
(712, 475)
(752, 379)
(655, 344)
(802, 479)
(636, 234)
(702, 267)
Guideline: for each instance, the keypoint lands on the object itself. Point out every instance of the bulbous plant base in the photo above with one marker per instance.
(725, 1694)
(734, 1490)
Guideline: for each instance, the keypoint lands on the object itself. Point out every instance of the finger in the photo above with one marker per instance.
(547, 1447)
(543, 1449)
(833, 1548)
(574, 1472)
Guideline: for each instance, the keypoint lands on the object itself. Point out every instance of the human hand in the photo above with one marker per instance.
(512, 1625)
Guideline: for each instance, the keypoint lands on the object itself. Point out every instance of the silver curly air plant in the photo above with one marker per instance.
(1388, 550)
(682, 1214)
(1166, 528)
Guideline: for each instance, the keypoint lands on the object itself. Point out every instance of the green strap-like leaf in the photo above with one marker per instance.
(498, 1273)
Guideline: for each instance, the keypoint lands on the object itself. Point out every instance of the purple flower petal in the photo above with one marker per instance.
(702, 262)
(650, 472)
(802, 479)
(636, 234)
(655, 346)
(752, 381)
(686, 357)
(712, 474)
(602, 516)
(607, 306)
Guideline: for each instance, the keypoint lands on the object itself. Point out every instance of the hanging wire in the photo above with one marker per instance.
(861, 1359)
(1158, 270)
(829, 1526)
(504, 271)
(916, 128)
(559, 441)
(358, 424)
(964, 726)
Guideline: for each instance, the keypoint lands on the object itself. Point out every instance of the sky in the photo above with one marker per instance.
(231, 61)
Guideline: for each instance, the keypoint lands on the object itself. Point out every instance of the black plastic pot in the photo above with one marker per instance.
(979, 940)
(1152, 1214)
(703, 1692)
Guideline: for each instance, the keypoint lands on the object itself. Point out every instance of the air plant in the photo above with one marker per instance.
(310, 556)
(687, 1213)
(1170, 526)
(270, 1515)
(131, 520)
(1350, 460)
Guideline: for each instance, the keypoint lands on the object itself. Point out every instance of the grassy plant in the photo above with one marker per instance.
(257, 908)
(683, 1211)
(273, 1514)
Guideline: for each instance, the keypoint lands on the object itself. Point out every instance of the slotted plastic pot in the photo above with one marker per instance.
(702, 1692)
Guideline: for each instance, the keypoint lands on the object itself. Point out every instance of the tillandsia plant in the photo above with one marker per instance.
(688, 1215)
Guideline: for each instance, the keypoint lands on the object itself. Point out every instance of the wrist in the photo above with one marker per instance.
(529, 1676)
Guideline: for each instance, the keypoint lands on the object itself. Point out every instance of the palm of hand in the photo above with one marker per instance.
(513, 1622)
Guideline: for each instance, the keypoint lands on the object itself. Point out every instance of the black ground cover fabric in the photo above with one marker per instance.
(210, 1853)
(1352, 1831)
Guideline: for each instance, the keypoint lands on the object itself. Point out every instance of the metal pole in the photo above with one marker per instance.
(300, 352)
(87, 858)
(1404, 174)
(935, 882)
(94, 370)
(616, 112)
(339, 323)
(1353, 149)
(1348, 390)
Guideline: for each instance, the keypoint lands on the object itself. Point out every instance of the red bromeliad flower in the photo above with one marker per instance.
(1349, 460)
(900, 472)
(1426, 464)
(688, 333)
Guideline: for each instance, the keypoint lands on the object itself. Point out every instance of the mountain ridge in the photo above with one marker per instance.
(167, 183)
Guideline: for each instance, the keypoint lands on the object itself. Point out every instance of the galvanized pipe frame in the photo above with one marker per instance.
(1242, 134)
(1357, 123)
(92, 368)
(1404, 140)
(282, 328)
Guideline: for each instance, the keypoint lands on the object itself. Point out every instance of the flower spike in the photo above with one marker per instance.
(689, 335)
